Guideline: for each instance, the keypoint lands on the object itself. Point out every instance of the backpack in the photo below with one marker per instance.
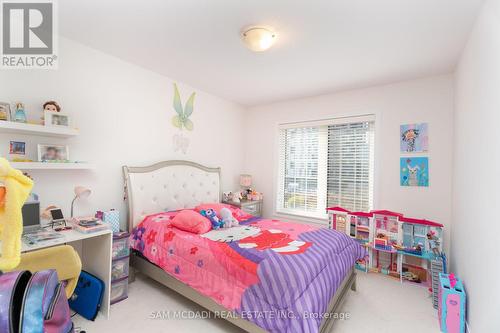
(33, 303)
(87, 297)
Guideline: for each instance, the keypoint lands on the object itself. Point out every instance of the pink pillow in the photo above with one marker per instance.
(237, 213)
(191, 221)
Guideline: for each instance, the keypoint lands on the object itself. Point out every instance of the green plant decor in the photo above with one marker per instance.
(181, 120)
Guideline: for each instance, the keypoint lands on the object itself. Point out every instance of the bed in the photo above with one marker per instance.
(264, 275)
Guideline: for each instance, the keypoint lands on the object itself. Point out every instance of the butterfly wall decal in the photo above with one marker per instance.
(181, 119)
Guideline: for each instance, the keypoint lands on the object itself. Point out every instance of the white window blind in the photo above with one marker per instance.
(323, 164)
(350, 166)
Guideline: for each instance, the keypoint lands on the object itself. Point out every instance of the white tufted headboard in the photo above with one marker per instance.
(168, 185)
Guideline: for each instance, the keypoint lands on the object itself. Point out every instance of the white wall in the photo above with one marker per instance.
(476, 228)
(124, 114)
(427, 100)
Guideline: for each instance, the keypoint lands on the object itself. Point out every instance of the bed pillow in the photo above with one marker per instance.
(191, 221)
(237, 213)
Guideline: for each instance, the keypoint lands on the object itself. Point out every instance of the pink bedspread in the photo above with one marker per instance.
(208, 265)
(262, 265)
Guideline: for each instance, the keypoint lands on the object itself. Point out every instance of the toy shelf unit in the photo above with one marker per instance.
(397, 246)
(38, 130)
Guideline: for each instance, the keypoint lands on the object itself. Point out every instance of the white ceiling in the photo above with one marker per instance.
(323, 46)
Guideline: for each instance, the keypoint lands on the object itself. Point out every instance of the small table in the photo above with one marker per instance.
(253, 207)
(95, 251)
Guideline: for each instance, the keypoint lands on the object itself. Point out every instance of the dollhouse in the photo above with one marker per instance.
(422, 235)
(360, 226)
(337, 218)
(382, 250)
(397, 246)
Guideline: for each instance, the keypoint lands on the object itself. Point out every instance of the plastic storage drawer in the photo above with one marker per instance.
(119, 290)
(121, 244)
(119, 268)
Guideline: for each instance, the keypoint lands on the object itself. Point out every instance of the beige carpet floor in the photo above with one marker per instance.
(381, 304)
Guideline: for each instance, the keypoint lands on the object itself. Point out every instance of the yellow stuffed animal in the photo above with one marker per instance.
(17, 188)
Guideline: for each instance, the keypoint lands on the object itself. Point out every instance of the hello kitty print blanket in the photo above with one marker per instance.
(279, 275)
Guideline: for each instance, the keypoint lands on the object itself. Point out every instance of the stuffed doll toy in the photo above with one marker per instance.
(212, 216)
(50, 106)
(14, 191)
(237, 197)
(228, 218)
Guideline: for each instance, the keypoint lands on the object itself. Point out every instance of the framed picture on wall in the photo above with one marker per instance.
(5, 113)
(414, 171)
(56, 119)
(17, 148)
(50, 153)
(414, 138)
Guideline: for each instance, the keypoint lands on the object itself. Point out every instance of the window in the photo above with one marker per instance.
(323, 164)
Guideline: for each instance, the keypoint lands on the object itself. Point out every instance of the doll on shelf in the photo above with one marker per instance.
(50, 106)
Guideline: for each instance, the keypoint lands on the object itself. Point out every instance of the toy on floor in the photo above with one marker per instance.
(451, 309)
(212, 216)
(397, 246)
(228, 218)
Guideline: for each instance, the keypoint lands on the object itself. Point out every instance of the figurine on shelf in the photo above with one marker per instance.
(20, 114)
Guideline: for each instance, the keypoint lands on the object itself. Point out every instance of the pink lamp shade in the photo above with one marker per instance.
(82, 192)
(246, 180)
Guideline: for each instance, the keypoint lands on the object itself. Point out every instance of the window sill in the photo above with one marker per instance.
(302, 218)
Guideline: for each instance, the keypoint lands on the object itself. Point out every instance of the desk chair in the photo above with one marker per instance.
(64, 259)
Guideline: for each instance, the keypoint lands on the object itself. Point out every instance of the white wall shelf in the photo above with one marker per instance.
(51, 166)
(39, 130)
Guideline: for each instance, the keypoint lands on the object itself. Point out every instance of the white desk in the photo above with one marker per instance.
(95, 250)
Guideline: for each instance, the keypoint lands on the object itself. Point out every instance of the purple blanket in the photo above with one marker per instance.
(294, 290)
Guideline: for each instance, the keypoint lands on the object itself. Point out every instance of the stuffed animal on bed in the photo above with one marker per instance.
(212, 216)
(228, 218)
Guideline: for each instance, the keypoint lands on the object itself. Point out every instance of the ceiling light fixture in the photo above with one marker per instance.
(259, 39)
